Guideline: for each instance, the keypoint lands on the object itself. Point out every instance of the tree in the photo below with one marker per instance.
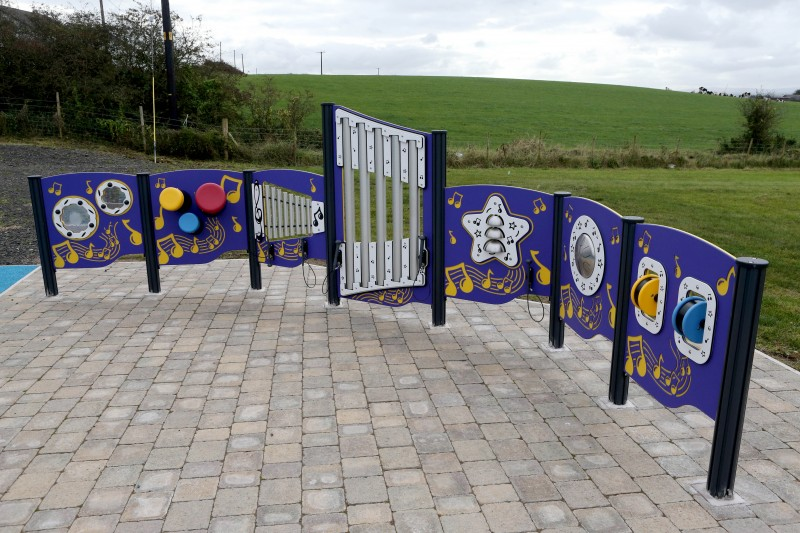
(761, 120)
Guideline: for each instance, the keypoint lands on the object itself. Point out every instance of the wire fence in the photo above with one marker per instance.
(134, 130)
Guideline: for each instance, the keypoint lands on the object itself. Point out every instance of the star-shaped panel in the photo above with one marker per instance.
(496, 232)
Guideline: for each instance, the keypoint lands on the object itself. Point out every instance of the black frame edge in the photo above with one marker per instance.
(148, 233)
(618, 379)
(556, 330)
(750, 276)
(328, 168)
(42, 236)
(439, 182)
(252, 244)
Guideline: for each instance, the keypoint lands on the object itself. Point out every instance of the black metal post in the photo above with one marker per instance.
(170, 63)
(439, 182)
(750, 276)
(252, 243)
(42, 236)
(328, 168)
(556, 333)
(148, 233)
(618, 382)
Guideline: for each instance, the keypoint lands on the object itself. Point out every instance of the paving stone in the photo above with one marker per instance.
(236, 501)
(551, 515)
(280, 491)
(507, 517)
(687, 515)
(365, 490)
(106, 501)
(323, 501)
(474, 522)
(580, 494)
(601, 519)
(16, 512)
(417, 521)
(188, 515)
(147, 506)
(232, 524)
(372, 513)
(272, 515)
(52, 519)
(95, 524)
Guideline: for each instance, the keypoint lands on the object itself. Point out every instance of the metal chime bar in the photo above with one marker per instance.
(397, 211)
(413, 211)
(380, 209)
(365, 210)
(349, 203)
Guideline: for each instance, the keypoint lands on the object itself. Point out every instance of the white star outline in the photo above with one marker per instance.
(515, 229)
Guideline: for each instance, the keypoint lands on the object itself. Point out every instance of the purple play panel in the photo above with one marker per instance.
(588, 297)
(223, 232)
(289, 252)
(493, 235)
(393, 297)
(673, 370)
(92, 218)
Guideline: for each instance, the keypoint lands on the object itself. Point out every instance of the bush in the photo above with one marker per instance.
(190, 143)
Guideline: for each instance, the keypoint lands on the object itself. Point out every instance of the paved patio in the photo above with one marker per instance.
(211, 406)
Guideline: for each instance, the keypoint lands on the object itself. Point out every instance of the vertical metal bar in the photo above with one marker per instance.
(292, 211)
(276, 193)
(42, 236)
(268, 210)
(750, 276)
(252, 243)
(618, 382)
(413, 211)
(380, 209)
(397, 212)
(556, 332)
(329, 171)
(365, 206)
(148, 232)
(349, 192)
(304, 207)
(282, 208)
(438, 183)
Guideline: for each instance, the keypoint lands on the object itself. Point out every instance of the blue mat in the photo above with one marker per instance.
(11, 274)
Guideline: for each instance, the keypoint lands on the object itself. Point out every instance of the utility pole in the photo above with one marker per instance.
(379, 70)
(320, 61)
(243, 63)
(102, 13)
(169, 58)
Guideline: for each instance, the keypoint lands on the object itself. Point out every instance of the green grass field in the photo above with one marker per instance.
(502, 110)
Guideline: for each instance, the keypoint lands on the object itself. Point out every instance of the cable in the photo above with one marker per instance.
(530, 293)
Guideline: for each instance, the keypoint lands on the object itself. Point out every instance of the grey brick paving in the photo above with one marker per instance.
(214, 407)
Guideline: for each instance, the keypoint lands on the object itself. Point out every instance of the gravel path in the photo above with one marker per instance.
(18, 161)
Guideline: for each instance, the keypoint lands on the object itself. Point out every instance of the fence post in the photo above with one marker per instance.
(556, 332)
(618, 382)
(439, 179)
(750, 276)
(144, 134)
(225, 136)
(42, 236)
(329, 167)
(59, 118)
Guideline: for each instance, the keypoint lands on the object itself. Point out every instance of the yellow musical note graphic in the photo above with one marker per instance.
(136, 237)
(565, 252)
(723, 284)
(195, 248)
(89, 189)
(568, 307)
(615, 238)
(175, 251)
(487, 282)
(282, 249)
(612, 313)
(71, 255)
(641, 365)
(465, 284)
(455, 200)
(159, 220)
(629, 364)
(452, 237)
(90, 252)
(234, 195)
(657, 368)
(161, 183)
(236, 226)
(55, 188)
(644, 241)
(313, 187)
(543, 274)
(539, 206)
(677, 267)
(568, 213)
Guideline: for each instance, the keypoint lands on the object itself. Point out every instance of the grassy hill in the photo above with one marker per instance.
(502, 110)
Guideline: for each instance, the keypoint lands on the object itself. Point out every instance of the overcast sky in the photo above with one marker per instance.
(724, 45)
